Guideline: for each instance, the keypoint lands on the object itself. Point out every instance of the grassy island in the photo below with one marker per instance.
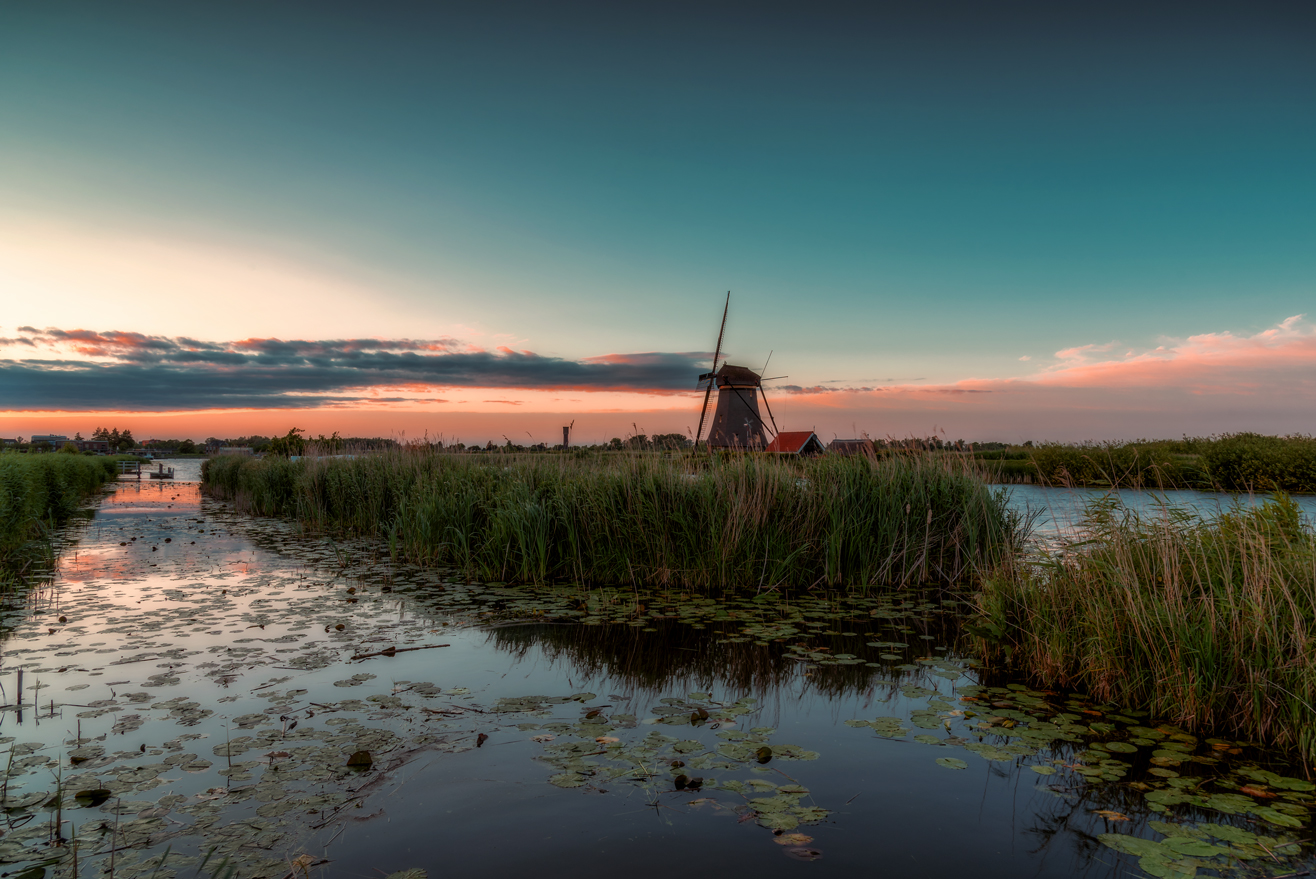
(615, 519)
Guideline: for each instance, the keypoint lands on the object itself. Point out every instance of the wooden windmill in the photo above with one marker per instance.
(736, 423)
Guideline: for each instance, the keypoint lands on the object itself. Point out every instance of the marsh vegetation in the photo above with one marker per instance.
(38, 493)
(1208, 622)
(731, 523)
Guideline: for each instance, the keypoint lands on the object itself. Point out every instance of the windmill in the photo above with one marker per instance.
(736, 422)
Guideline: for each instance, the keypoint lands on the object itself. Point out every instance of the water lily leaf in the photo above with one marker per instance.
(1043, 770)
(1132, 845)
(1163, 869)
(567, 779)
(1196, 848)
(92, 797)
(1274, 816)
(952, 763)
(1122, 747)
(414, 873)
(793, 839)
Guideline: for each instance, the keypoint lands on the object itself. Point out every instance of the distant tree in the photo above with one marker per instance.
(291, 443)
(671, 441)
(69, 448)
(332, 444)
(615, 444)
(77, 437)
(126, 441)
(187, 447)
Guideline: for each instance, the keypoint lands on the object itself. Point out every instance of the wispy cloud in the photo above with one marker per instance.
(85, 369)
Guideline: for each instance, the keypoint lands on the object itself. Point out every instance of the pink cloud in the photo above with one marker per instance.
(1280, 357)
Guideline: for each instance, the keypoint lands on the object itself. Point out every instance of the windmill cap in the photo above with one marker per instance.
(737, 376)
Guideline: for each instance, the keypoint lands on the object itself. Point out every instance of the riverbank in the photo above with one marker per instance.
(38, 493)
(711, 525)
(1233, 462)
(1210, 622)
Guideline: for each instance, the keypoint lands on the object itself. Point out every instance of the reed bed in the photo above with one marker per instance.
(38, 493)
(1209, 623)
(699, 523)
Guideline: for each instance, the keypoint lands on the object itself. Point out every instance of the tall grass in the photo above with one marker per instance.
(1252, 462)
(1209, 623)
(1139, 464)
(1231, 462)
(646, 519)
(38, 493)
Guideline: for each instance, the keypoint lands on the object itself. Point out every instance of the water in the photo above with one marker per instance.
(1059, 510)
(201, 692)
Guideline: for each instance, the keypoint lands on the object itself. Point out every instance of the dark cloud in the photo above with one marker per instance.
(140, 372)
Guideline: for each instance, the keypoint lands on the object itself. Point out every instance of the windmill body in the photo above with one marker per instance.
(737, 423)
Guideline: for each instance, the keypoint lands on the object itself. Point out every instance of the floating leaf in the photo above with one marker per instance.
(952, 763)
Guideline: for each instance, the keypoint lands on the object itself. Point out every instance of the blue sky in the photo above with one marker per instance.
(897, 198)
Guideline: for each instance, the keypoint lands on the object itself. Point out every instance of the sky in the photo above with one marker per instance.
(985, 221)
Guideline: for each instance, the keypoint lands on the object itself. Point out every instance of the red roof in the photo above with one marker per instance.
(792, 442)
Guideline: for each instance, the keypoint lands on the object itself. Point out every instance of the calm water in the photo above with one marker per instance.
(202, 680)
(1060, 509)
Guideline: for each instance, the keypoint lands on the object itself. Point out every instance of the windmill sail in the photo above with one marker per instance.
(706, 380)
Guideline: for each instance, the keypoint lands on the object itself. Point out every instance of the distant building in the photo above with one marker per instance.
(796, 442)
(8, 442)
(235, 450)
(95, 446)
(850, 447)
(54, 440)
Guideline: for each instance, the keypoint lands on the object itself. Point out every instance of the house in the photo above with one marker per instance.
(850, 447)
(47, 441)
(796, 442)
(95, 446)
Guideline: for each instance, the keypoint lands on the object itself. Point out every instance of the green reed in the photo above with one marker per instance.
(38, 493)
(709, 524)
(1209, 623)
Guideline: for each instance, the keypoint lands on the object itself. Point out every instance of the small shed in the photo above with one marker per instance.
(850, 447)
(796, 442)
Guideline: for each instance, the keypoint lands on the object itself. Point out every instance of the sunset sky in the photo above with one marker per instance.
(990, 221)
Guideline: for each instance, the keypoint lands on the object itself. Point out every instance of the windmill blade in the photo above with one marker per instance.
(717, 352)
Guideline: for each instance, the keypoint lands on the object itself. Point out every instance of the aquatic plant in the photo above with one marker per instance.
(37, 493)
(735, 522)
(1211, 623)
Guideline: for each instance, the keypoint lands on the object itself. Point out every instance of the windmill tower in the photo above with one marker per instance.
(736, 423)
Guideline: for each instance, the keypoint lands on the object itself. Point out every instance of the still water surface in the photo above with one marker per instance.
(203, 679)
